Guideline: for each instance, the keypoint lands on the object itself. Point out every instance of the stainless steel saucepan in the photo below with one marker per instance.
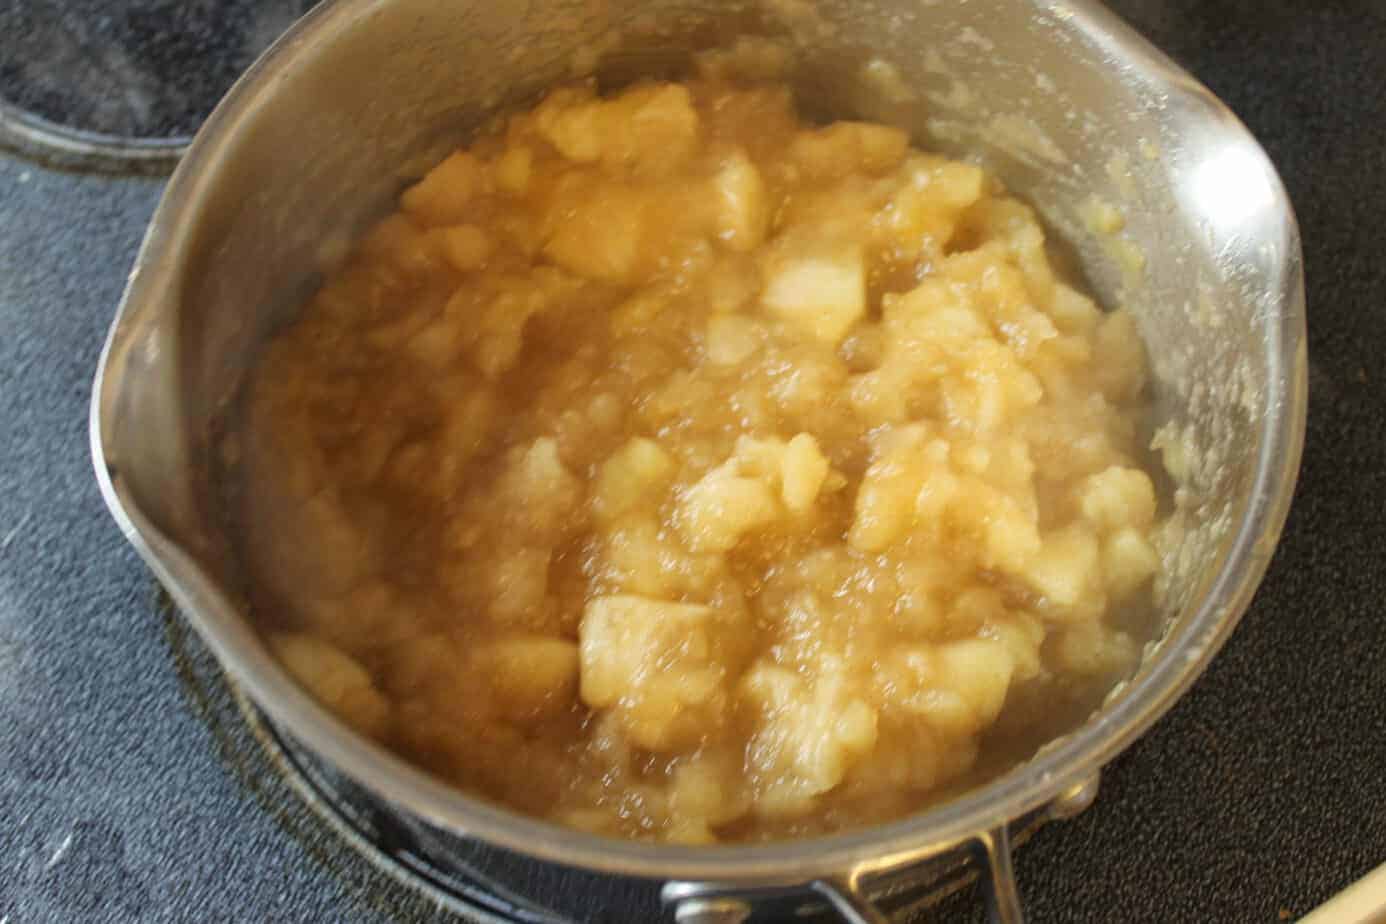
(1067, 104)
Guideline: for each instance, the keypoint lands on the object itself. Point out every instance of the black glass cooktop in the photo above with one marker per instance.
(128, 793)
(125, 74)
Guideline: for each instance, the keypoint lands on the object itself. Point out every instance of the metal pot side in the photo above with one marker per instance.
(1061, 99)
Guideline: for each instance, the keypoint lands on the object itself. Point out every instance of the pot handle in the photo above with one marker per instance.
(847, 897)
(713, 903)
(996, 873)
(998, 877)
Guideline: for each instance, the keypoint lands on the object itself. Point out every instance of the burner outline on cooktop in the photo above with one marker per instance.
(59, 146)
(121, 86)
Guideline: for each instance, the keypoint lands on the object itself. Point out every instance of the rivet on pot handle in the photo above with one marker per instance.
(711, 911)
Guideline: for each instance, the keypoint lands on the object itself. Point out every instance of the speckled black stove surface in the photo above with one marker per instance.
(131, 68)
(129, 790)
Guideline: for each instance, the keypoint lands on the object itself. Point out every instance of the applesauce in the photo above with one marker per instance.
(671, 468)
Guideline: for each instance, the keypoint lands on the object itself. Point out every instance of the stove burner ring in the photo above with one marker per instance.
(58, 146)
(121, 86)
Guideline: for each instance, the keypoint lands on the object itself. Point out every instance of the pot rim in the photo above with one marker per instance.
(1063, 764)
